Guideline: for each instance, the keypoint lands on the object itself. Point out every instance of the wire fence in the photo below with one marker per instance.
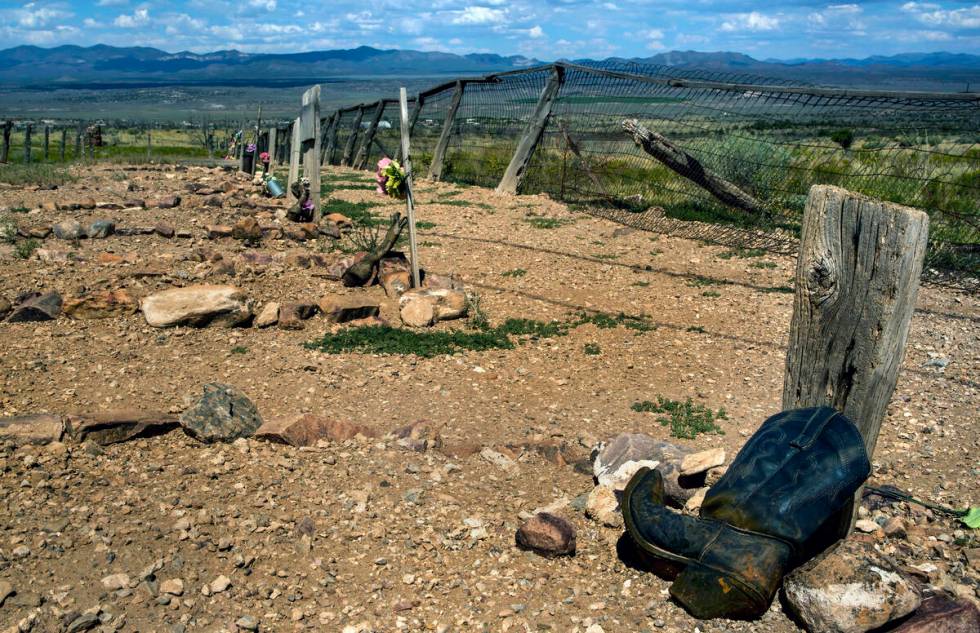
(771, 140)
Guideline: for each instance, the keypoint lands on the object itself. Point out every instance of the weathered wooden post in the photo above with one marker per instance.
(78, 142)
(412, 120)
(272, 147)
(362, 155)
(64, 143)
(258, 139)
(532, 134)
(310, 138)
(5, 149)
(293, 159)
(857, 277)
(149, 145)
(27, 142)
(332, 138)
(439, 155)
(409, 195)
(355, 128)
(47, 143)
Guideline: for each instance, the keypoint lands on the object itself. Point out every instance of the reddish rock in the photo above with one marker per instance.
(41, 428)
(344, 308)
(292, 315)
(164, 230)
(939, 614)
(301, 232)
(341, 220)
(418, 436)
(307, 429)
(135, 203)
(547, 535)
(218, 231)
(299, 260)
(329, 228)
(100, 305)
(110, 427)
(257, 258)
(169, 202)
(247, 229)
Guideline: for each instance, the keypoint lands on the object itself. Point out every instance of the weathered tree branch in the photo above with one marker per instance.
(687, 166)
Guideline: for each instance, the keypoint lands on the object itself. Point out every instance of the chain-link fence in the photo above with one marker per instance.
(769, 140)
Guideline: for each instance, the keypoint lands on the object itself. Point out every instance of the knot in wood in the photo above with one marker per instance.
(821, 279)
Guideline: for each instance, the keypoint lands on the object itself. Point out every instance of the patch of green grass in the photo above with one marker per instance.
(517, 272)
(239, 349)
(424, 225)
(35, 174)
(540, 222)
(767, 265)
(358, 212)
(532, 328)
(606, 256)
(711, 294)
(607, 321)
(742, 253)
(686, 419)
(592, 349)
(26, 248)
(696, 328)
(464, 203)
(429, 244)
(656, 252)
(386, 340)
(20, 209)
(641, 284)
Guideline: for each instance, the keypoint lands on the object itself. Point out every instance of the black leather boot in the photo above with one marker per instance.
(798, 470)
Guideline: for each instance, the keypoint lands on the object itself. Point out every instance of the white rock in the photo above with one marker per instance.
(197, 305)
(603, 506)
(268, 315)
(701, 461)
(617, 480)
(116, 582)
(173, 586)
(219, 584)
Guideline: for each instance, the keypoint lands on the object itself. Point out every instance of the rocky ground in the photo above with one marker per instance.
(166, 533)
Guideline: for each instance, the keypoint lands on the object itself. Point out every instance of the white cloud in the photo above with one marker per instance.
(933, 15)
(111, 3)
(32, 16)
(268, 5)
(479, 15)
(90, 23)
(365, 20)
(753, 21)
(535, 32)
(837, 16)
(140, 17)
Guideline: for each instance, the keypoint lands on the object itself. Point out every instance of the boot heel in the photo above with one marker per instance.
(706, 593)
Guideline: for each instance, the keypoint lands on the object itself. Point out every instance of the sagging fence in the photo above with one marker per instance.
(723, 158)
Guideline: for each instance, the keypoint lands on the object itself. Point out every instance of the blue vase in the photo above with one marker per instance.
(274, 188)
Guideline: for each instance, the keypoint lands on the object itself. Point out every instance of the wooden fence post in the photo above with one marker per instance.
(362, 155)
(27, 142)
(47, 143)
(331, 139)
(857, 277)
(5, 149)
(149, 144)
(64, 142)
(532, 134)
(406, 153)
(439, 155)
(412, 120)
(355, 128)
(273, 144)
(310, 137)
(78, 142)
(293, 159)
(258, 139)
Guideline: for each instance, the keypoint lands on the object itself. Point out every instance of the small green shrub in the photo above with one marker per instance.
(540, 222)
(711, 294)
(26, 248)
(742, 253)
(696, 328)
(8, 229)
(767, 265)
(517, 272)
(422, 224)
(700, 281)
(592, 349)
(843, 137)
(239, 349)
(686, 419)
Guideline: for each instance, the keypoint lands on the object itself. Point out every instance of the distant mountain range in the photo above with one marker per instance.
(108, 66)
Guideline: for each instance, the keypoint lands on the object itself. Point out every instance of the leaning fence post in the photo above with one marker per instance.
(365, 151)
(64, 142)
(331, 138)
(47, 143)
(273, 133)
(532, 134)
(345, 160)
(27, 143)
(435, 169)
(857, 277)
(5, 150)
(78, 142)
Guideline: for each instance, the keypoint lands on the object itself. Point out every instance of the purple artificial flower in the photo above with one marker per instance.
(308, 205)
(250, 148)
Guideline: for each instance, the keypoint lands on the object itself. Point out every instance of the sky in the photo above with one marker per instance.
(544, 29)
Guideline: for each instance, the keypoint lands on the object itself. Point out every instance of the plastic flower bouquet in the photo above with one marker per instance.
(391, 178)
(264, 157)
(250, 148)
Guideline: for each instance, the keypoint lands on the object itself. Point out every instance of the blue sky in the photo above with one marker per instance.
(546, 29)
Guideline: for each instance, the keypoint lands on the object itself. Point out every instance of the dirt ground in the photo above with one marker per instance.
(365, 534)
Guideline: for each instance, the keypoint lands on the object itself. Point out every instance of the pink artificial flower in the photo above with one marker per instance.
(381, 189)
(384, 162)
(264, 157)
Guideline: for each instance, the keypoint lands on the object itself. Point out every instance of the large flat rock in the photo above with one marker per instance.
(197, 305)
